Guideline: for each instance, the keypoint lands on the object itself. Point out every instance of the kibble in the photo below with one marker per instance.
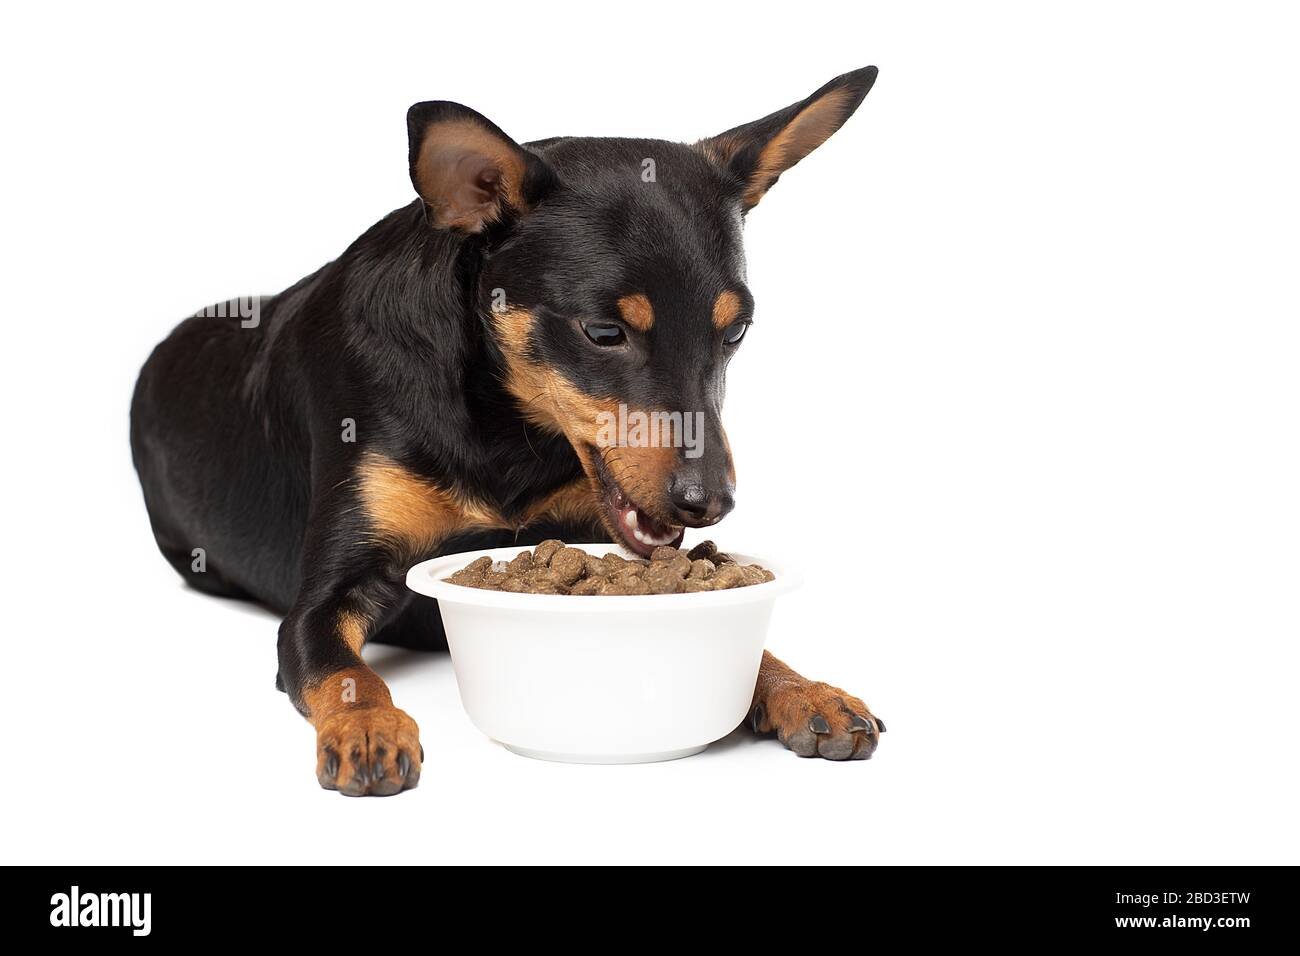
(702, 569)
(544, 552)
(556, 568)
(728, 576)
(704, 551)
(568, 565)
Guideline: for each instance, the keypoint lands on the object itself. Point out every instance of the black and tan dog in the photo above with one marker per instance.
(437, 387)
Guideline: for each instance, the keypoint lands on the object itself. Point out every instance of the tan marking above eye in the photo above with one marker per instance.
(637, 311)
(725, 309)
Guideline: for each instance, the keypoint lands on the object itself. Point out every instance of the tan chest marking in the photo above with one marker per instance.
(411, 514)
(575, 503)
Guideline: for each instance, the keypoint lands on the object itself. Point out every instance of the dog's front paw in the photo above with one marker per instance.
(371, 751)
(818, 720)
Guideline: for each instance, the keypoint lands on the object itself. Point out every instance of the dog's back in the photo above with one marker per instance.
(225, 481)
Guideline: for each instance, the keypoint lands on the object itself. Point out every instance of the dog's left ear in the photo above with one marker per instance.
(759, 152)
(468, 172)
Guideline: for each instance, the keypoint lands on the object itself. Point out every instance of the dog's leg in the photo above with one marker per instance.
(811, 718)
(364, 745)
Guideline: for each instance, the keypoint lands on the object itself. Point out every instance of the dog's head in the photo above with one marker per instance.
(613, 287)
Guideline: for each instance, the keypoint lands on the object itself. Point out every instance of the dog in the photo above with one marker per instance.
(435, 389)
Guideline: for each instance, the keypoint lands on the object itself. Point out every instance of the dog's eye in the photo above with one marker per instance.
(605, 333)
(733, 333)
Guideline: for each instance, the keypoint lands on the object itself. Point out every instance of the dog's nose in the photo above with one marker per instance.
(697, 506)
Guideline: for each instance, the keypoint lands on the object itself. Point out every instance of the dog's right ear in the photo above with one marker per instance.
(468, 172)
(757, 153)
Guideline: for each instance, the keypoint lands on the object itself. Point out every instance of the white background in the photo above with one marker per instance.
(1026, 349)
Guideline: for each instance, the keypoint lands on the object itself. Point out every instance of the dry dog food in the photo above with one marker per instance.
(555, 568)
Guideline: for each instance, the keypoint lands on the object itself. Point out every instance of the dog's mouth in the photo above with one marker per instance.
(632, 525)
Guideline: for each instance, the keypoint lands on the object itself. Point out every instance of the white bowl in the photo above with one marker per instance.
(603, 678)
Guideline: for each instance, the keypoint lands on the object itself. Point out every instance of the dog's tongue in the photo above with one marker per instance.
(642, 533)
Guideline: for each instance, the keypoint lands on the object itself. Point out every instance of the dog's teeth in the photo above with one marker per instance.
(629, 519)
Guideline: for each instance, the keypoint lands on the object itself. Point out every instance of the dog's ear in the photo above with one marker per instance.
(759, 152)
(468, 172)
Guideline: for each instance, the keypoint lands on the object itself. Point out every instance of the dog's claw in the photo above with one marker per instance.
(819, 725)
(880, 725)
(859, 723)
(421, 753)
(756, 718)
(403, 765)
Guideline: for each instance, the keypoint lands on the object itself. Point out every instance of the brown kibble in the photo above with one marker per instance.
(701, 569)
(539, 577)
(568, 565)
(661, 579)
(628, 572)
(494, 579)
(729, 576)
(556, 568)
(613, 562)
(630, 585)
(471, 575)
(704, 551)
(543, 553)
